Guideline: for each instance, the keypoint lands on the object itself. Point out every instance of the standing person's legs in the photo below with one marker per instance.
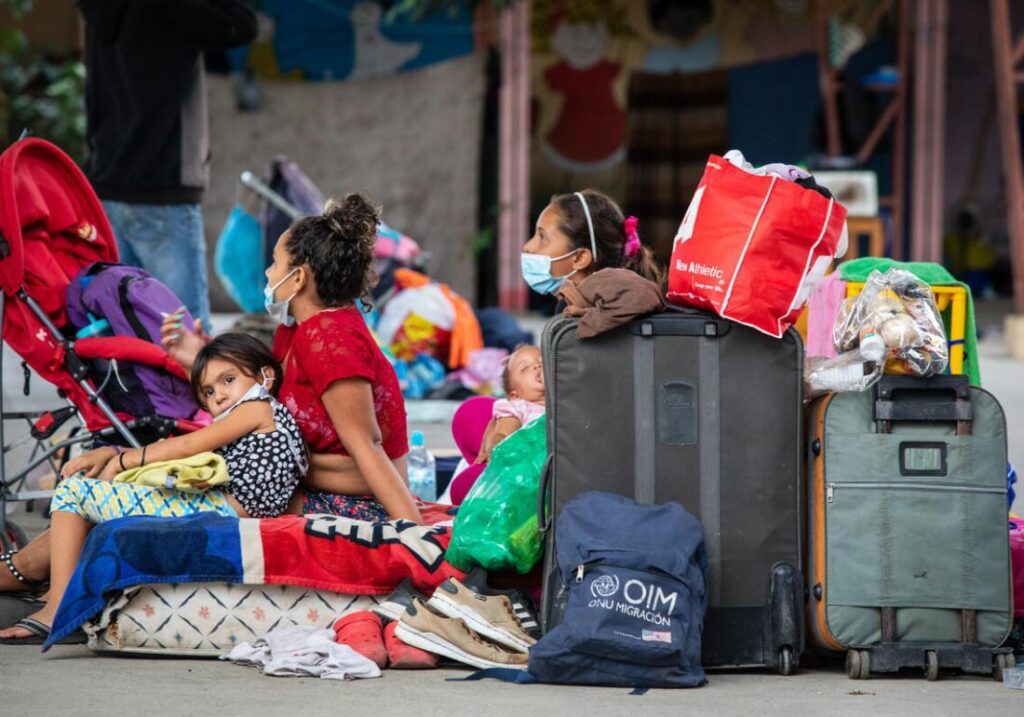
(167, 241)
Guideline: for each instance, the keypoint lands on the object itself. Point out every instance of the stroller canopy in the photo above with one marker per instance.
(51, 223)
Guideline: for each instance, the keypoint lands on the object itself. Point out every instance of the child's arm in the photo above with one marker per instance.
(498, 430)
(247, 418)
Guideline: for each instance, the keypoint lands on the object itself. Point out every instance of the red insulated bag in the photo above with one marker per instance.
(751, 246)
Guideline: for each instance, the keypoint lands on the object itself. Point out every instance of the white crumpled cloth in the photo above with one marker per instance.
(302, 651)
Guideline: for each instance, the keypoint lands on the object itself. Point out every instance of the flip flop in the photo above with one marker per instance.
(39, 634)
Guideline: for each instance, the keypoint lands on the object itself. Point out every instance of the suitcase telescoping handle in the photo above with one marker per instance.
(944, 399)
(679, 321)
(543, 516)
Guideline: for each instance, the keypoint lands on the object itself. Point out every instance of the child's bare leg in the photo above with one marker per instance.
(68, 532)
(32, 561)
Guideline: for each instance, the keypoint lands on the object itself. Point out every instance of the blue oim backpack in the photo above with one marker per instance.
(634, 577)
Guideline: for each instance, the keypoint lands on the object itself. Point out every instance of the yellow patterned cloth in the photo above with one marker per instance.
(98, 501)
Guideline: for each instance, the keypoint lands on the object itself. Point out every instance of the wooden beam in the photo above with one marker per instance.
(897, 203)
(883, 123)
(1009, 133)
(513, 154)
(876, 17)
(826, 84)
(930, 27)
(1018, 51)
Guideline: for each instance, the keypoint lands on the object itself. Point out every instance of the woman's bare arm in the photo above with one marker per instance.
(349, 403)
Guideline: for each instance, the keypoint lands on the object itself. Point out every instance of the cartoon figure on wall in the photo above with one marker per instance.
(589, 134)
(375, 54)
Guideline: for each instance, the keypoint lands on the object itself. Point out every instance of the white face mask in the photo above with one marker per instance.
(257, 391)
(278, 310)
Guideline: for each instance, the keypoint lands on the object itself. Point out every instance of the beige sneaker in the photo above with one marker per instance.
(423, 628)
(491, 615)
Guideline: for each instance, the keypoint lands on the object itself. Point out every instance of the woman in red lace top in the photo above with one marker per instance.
(337, 383)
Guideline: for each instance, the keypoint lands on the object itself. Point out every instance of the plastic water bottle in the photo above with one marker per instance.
(422, 469)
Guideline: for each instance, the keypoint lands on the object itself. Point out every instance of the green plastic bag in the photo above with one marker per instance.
(496, 526)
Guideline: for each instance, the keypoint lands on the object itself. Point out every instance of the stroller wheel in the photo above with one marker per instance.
(13, 537)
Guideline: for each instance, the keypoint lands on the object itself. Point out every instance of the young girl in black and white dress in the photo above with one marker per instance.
(234, 378)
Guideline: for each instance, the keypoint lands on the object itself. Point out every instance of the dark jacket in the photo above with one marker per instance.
(145, 93)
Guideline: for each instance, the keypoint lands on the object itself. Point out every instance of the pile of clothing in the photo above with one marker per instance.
(464, 620)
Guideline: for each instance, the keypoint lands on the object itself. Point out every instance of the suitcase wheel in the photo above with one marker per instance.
(786, 666)
(931, 666)
(858, 664)
(1000, 663)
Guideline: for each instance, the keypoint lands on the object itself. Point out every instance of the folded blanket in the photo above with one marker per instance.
(935, 275)
(190, 475)
(315, 551)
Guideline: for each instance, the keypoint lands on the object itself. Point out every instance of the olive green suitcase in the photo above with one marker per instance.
(909, 561)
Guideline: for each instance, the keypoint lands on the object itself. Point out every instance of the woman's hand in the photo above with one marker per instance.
(182, 344)
(91, 463)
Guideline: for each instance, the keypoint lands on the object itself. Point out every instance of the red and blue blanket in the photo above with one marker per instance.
(315, 551)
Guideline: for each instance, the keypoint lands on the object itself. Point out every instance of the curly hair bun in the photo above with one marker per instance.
(338, 247)
(353, 219)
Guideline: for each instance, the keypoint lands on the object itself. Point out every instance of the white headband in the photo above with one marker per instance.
(590, 224)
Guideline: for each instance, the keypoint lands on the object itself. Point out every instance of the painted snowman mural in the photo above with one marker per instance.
(589, 133)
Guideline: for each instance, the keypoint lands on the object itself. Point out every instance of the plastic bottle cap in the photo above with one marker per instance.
(417, 440)
(872, 347)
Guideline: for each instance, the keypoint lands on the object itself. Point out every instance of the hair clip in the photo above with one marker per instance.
(632, 245)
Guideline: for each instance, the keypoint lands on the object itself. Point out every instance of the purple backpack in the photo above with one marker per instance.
(135, 304)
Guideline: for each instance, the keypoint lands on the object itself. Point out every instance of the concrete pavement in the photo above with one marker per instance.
(70, 680)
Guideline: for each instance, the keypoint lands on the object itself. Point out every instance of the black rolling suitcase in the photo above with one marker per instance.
(689, 407)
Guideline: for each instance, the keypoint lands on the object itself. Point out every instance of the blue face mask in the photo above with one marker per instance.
(536, 270)
(278, 310)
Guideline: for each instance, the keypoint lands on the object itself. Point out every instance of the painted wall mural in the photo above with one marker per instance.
(584, 52)
(330, 40)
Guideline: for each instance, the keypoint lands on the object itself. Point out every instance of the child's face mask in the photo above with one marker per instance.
(256, 391)
(536, 270)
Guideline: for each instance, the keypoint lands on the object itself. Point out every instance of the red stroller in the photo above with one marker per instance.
(51, 226)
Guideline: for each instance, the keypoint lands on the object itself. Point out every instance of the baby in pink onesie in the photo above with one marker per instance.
(523, 381)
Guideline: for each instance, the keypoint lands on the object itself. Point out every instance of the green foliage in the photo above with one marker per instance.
(39, 92)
